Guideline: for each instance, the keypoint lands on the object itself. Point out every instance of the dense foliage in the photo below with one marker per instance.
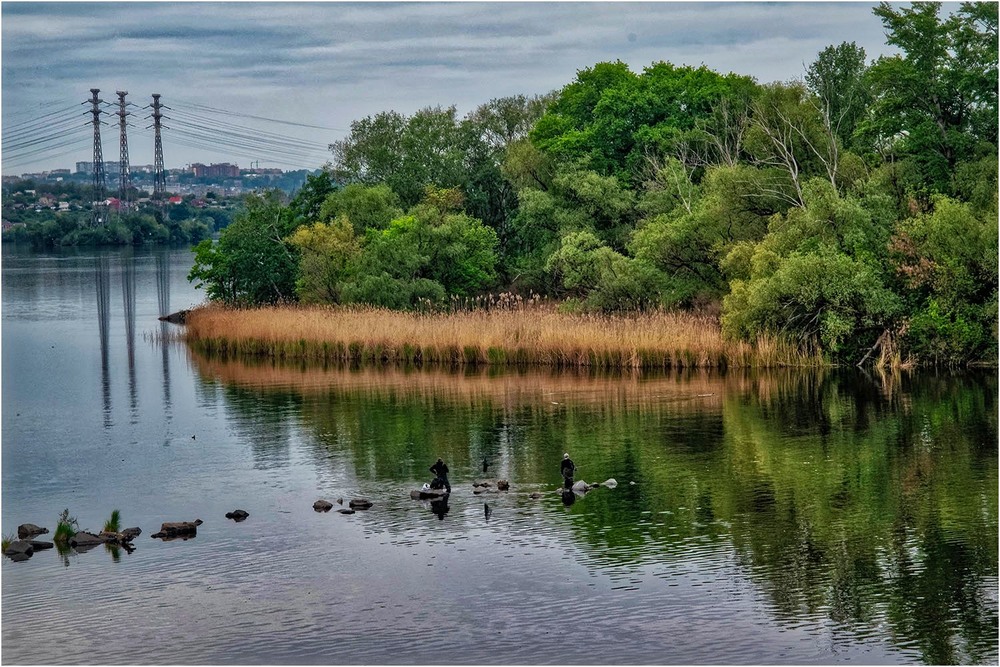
(854, 211)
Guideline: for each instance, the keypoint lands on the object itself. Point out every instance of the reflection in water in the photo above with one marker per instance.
(128, 308)
(163, 308)
(102, 281)
(440, 506)
(864, 502)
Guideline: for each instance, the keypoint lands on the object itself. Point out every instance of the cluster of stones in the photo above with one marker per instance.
(24, 546)
(352, 505)
(487, 486)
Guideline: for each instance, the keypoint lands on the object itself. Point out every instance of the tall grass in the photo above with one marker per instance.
(515, 334)
(113, 525)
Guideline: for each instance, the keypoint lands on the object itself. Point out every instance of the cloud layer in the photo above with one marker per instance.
(330, 63)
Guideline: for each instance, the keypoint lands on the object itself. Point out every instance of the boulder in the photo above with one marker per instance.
(535, 496)
(610, 483)
(480, 483)
(360, 503)
(180, 317)
(26, 530)
(122, 538)
(19, 550)
(581, 487)
(237, 515)
(85, 539)
(39, 545)
(345, 510)
(130, 534)
(322, 506)
(174, 529)
(502, 485)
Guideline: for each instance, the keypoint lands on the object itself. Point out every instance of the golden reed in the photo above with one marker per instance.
(520, 335)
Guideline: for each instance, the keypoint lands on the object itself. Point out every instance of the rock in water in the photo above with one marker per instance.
(19, 550)
(174, 529)
(345, 510)
(237, 515)
(26, 530)
(130, 534)
(360, 504)
(322, 506)
(180, 317)
(610, 483)
(85, 539)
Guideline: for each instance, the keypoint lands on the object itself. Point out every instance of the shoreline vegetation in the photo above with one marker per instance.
(534, 334)
(835, 220)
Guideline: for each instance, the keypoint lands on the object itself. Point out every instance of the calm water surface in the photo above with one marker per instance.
(782, 518)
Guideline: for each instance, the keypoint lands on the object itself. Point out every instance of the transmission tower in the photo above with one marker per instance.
(159, 173)
(123, 170)
(98, 175)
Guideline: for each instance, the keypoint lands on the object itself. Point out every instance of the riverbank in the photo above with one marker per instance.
(528, 335)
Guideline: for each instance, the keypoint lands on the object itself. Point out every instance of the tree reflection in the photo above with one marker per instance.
(867, 500)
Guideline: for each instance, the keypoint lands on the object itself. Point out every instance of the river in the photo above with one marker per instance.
(759, 518)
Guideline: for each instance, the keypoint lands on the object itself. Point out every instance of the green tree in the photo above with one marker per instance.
(603, 279)
(692, 228)
(252, 263)
(405, 153)
(938, 98)
(947, 259)
(813, 277)
(838, 78)
(365, 206)
(326, 252)
(432, 251)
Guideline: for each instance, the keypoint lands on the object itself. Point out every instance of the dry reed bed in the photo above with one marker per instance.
(535, 335)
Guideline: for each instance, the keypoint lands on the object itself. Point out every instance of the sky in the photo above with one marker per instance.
(326, 64)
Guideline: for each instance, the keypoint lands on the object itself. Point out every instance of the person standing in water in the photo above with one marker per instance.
(441, 470)
(568, 469)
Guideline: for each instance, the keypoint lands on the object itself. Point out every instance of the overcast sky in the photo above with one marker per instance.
(326, 64)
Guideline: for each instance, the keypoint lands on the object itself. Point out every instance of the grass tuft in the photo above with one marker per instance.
(113, 525)
(66, 527)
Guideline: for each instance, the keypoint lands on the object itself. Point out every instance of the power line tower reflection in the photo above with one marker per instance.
(128, 306)
(102, 271)
(163, 302)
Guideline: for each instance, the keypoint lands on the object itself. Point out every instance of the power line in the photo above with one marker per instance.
(270, 120)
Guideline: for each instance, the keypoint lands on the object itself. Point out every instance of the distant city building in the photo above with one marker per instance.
(222, 170)
(88, 167)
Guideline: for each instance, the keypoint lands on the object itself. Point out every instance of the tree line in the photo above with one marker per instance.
(854, 210)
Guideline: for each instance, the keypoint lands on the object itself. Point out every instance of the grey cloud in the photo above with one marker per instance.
(331, 63)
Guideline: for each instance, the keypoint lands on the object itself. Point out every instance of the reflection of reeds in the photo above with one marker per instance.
(501, 337)
(686, 391)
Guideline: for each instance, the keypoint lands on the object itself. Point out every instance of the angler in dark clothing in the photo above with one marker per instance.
(568, 469)
(441, 470)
